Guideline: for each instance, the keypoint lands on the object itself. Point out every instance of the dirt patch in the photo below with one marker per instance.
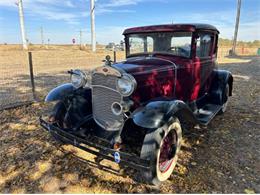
(222, 158)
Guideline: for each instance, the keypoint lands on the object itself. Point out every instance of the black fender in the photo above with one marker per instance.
(76, 103)
(60, 92)
(220, 80)
(156, 114)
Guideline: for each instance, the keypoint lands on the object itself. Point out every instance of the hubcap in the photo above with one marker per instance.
(168, 151)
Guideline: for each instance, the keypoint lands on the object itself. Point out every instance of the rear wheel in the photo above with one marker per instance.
(161, 147)
(225, 100)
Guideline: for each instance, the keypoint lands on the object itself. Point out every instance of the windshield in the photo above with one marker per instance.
(175, 43)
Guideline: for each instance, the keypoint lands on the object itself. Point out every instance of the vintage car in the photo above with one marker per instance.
(132, 112)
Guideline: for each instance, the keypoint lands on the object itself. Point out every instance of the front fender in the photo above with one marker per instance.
(156, 114)
(60, 92)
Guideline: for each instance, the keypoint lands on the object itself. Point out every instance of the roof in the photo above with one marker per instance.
(170, 28)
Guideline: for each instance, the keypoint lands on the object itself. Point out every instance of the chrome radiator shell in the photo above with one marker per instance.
(104, 94)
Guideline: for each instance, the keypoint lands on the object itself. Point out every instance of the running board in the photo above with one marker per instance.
(206, 114)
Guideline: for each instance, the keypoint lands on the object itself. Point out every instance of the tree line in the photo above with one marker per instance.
(228, 42)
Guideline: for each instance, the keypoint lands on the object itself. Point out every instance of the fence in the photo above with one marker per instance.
(241, 51)
(49, 67)
(20, 83)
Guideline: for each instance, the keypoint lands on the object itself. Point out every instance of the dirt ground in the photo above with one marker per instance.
(220, 158)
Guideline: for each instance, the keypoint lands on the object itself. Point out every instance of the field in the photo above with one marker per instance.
(221, 158)
(50, 68)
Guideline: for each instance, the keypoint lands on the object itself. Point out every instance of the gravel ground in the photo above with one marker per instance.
(221, 158)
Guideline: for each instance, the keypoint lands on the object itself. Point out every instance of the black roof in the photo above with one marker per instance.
(171, 27)
(205, 26)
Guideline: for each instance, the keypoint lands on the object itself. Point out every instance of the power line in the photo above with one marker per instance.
(21, 16)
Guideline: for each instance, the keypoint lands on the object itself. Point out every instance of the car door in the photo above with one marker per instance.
(203, 63)
(181, 45)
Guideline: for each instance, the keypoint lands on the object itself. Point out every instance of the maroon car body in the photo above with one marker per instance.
(158, 73)
(169, 77)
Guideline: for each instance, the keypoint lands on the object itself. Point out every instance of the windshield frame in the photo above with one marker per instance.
(127, 46)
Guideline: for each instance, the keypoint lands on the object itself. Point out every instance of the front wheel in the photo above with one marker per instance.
(162, 147)
(57, 117)
(57, 114)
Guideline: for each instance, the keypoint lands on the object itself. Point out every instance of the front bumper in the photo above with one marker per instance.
(98, 147)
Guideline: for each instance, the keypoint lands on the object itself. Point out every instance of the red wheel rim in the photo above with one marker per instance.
(168, 151)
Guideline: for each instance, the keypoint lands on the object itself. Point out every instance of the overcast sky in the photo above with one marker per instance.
(62, 19)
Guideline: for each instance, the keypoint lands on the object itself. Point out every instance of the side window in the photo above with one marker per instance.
(136, 44)
(204, 44)
(141, 44)
(181, 43)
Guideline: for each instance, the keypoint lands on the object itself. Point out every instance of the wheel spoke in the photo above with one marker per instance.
(168, 150)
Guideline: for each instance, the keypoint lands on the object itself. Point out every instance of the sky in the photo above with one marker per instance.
(62, 20)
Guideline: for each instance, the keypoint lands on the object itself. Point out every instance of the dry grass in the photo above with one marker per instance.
(50, 68)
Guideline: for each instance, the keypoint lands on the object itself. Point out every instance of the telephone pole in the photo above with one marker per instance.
(80, 38)
(93, 33)
(21, 16)
(48, 43)
(42, 37)
(236, 27)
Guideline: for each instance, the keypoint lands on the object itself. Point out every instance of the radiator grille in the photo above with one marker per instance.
(103, 97)
(107, 81)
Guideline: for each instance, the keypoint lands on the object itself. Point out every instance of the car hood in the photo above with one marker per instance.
(155, 77)
(144, 65)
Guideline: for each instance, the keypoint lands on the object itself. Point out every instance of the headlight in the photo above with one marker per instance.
(78, 78)
(126, 85)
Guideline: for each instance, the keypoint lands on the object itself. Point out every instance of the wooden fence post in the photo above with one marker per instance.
(114, 56)
(31, 74)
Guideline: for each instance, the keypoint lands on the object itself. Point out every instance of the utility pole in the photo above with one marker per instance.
(21, 16)
(93, 33)
(236, 27)
(80, 39)
(48, 43)
(42, 38)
